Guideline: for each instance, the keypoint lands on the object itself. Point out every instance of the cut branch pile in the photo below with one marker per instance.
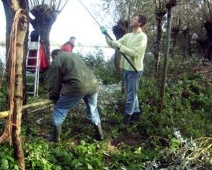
(194, 153)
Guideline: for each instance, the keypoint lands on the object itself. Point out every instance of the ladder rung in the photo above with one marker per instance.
(30, 75)
(29, 84)
(33, 48)
(31, 66)
(30, 92)
(32, 57)
(31, 70)
(33, 45)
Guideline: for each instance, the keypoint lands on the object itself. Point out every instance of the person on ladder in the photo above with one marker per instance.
(69, 45)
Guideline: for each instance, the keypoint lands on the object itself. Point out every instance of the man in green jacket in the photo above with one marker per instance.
(133, 46)
(69, 81)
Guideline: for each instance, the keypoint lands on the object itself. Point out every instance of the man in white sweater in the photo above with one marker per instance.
(133, 46)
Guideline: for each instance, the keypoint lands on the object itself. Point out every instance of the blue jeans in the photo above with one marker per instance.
(131, 83)
(67, 102)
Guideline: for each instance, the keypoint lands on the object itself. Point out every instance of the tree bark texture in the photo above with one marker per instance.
(16, 28)
(16, 55)
(208, 52)
(165, 65)
(158, 42)
(175, 33)
(119, 30)
(10, 8)
(160, 11)
(44, 19)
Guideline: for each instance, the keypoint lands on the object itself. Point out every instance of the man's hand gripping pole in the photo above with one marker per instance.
(104, 31)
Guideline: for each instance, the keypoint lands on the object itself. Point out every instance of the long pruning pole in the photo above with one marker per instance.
(108, 36)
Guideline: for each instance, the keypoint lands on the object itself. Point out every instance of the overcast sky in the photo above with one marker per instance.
(74, 20)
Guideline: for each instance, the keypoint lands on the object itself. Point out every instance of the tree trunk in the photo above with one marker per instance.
(9, 13)
(16, 28)
(185, 40)
(208, 52)
(175, 33)
(157, 45)
(20, 29)
(165, 65)
(119, 31)
(44, 19)
(160, 11)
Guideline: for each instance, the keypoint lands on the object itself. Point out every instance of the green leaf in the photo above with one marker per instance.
(89, 166)
(4, 164)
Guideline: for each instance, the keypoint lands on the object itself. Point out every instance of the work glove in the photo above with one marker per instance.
(116, 44)
(103, 30)
(113, 43)
(53, 97)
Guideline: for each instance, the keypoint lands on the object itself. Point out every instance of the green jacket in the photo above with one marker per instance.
(69, 75)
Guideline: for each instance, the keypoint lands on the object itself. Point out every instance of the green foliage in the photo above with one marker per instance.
(104, 70)
(150, 143)
(186, 108)
(3, 93)
(125, 160)
(87, 156)
(37, 155)
(6, 158)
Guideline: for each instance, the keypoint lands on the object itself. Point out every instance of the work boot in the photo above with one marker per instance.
(135, 116)
(55, 136)
(127, 119)
(98, 132)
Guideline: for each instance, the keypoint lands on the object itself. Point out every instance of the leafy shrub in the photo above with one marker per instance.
(104, 70)
(6, 158)
(87, 156)
(38, 155)
(3, 93)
